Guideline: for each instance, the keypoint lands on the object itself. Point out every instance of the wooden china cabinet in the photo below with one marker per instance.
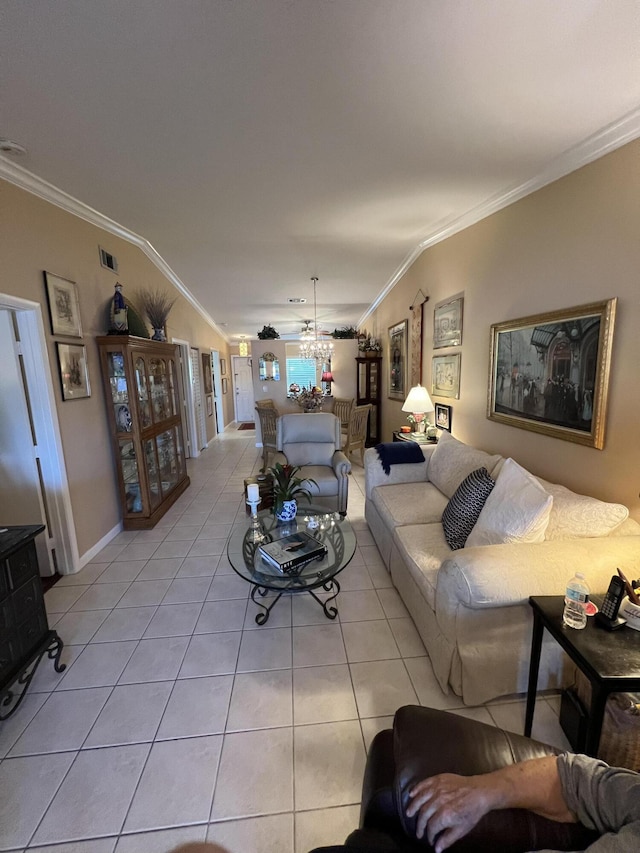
(144, 406)
(369, 391)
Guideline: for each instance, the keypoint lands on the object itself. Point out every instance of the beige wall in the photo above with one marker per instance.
(37, 236)
(572, 242)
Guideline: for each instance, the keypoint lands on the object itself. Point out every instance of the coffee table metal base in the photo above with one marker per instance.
(330, 611)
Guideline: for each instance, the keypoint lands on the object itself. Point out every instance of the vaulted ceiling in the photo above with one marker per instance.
(255, 143)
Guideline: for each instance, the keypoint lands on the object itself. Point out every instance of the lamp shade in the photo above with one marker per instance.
(327, 376)
(418, 400)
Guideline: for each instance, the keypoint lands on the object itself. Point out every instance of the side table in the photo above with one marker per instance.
(409, 436)
(609, 660)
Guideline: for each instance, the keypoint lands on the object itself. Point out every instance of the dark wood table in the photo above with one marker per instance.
(609, 659)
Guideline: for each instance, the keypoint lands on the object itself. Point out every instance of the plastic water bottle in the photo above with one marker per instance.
(575, 602)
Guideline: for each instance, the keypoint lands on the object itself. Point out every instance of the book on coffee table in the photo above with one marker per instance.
(292, 551)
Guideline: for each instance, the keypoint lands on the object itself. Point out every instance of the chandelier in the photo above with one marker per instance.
(311, 347)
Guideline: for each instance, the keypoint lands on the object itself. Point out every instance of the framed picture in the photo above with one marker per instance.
(209, 405)
(550, 372)
(64, 308)
(443, 416)
(445, 375)
(74, 376)
(398, 361)
(447, 323)
(206, 373)
(225, 385)
(223, 366)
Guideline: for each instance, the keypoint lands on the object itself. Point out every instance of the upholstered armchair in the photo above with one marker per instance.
(312, 441)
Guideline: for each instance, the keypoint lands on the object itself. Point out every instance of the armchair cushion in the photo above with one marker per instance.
(327, 482)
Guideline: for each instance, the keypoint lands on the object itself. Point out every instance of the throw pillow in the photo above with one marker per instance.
(462, 511)
(517, 510)
(575, 515)
(452, 461)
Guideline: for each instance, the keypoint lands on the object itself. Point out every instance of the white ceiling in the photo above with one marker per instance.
(255, 143)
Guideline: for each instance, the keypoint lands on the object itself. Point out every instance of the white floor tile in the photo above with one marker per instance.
(155, 570)
(407, 638)
(211, 654)
(315, 645)
(63, 722)
(196, 567)
(261, 700)
(323, 694)
(381, 687)
(59, 599)
(100, 596)
(173, 620)
(13, 726)
(427, 687)
(137, 551)
(172, 549)
(268, 834)
(161, 840)
(354, 577)
(186, 590)
(324, 827)
(86, 576)
(329, 761)
(198, 706)
(132, 714)
(307, 611)
(359, 605)
(372, 725)
(155, 660)
(95, 795)
(279, 617)
(217, 616)
(228, 586)
(124, 571)
(46, 678)
(177, 784)
(255, 776)
(94, 845)
(32, 780)
(392, 603)
(77, 628)
(546, 726)
(369, 641)
(269, 648)
(99, 665)
(145, 593)
(126, 623)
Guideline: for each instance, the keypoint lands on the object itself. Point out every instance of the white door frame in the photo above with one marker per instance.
(217, 385)
(45, 417)
(234, 362)
(189, 415)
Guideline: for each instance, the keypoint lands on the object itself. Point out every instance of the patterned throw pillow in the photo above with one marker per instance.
(462, 511)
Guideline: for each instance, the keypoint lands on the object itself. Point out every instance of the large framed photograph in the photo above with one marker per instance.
(550, 372)
(443, 416)
(74, 376)
(206, 373)
(445, 375)
(64, 308)
(398, 361)
(447, 323)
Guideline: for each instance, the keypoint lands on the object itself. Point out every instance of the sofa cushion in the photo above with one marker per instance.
(423, 549)
(409, 503)
(574, 515)
(462, 511)
(517, 510)
(452, 461)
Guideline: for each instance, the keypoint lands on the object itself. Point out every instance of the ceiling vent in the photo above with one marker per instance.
(297, 300)
(107, 260)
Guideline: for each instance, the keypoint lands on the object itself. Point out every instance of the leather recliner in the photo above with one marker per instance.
(425, 742)
(312, 441)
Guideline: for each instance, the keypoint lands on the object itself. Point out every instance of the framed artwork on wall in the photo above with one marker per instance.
(445, 375)
(74, 376)
(206, 373)
(550, 372)
(443, 415)
(64, 308)
(223, 366)
(447, 323)
(209, 405)
(225, 385)
(398, 361)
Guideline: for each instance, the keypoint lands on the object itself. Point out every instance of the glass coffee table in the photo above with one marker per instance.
(329, 528)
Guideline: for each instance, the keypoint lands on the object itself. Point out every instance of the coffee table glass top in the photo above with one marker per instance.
(329, 528)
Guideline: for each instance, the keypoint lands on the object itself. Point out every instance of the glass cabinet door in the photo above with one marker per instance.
(152, 472)
(144, 409)
(373, 380)
(130, 476)
(168, 460)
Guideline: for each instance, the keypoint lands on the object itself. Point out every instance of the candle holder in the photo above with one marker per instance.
(256, 529)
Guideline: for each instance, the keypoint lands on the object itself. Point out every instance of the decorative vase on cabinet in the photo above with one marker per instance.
(143, 398)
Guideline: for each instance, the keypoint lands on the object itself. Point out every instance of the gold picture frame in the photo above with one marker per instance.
(549, 373)
(74, 374)
(447, 322)
(398, 361)
(445, 375)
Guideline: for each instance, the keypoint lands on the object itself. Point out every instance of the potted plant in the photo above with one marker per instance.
(368, 345)
(288, 489)
(156, 305)
(268, 333)
(310, 399)
(345, 333)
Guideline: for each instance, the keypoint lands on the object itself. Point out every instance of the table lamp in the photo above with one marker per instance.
(327, 376)
(419, 403)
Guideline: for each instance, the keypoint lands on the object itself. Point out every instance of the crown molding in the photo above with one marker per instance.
(30, 182)
(613, 136)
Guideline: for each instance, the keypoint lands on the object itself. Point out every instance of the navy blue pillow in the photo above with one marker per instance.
(462, 511)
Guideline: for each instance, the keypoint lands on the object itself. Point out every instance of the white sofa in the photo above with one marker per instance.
(470, 606)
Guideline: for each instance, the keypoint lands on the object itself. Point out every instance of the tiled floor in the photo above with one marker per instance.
(179, 719)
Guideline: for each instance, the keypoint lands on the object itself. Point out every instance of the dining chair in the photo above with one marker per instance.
(268, 428)
(357, 431)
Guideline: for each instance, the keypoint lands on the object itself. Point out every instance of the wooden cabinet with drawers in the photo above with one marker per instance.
(24, 630)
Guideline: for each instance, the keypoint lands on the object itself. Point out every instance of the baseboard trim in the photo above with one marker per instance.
(92, 552)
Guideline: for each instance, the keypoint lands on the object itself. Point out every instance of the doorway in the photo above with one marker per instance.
(196, 391)
(33, 479)
(188, 411)
(243, 388)
(217, 391)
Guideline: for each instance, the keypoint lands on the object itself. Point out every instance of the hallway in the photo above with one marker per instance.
(179, 719)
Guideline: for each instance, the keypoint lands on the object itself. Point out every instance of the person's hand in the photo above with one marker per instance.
(448, 807)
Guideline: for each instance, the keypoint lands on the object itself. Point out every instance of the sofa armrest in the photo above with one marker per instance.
(340, 463)
(504, 575)
(413, 472)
